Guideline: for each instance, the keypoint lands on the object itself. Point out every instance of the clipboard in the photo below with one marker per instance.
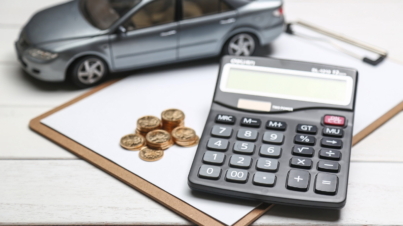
(178, 206)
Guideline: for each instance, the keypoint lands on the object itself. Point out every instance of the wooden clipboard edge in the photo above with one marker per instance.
(171, 202)
(377, 123)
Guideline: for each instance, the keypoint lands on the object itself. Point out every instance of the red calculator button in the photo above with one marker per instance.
(334, 120)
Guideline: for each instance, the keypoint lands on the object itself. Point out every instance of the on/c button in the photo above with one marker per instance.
(334, 120)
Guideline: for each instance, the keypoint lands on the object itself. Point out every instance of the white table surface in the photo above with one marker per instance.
(41, 183)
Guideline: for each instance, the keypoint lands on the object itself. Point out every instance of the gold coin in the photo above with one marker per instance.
(159, 139)
(189, 144)
(132, 141)
(147, 123)
(173, 115)
(150, 155)
(183, 134)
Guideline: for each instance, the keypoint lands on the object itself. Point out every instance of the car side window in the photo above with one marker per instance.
(198, 8)
(157, 12)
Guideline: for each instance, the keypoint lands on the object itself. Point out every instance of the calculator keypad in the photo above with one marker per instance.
(304, 158)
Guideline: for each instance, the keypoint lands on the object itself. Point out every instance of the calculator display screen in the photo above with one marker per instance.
(287, 84)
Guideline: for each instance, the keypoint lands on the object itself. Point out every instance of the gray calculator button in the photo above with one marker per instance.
(267, 164)
(264, 179)
(209, 172)
(270, 151)
(221, 131)
(244, 147)
(237, 175)
(217, 144)
(213, 157)
(247, 134)
(240, 161)
(273, 137)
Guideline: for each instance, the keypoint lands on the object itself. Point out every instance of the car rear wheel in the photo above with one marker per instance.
(89, 71)
(242, 44)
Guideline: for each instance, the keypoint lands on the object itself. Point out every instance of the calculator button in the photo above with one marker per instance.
(264, 179)
(334, 120)
(276, 125)
(273, 137)
(310, 129)
(330, 154)
(298, 162)
(333, 132)
(298, 180)
(244, 147)
(251, 122)
(304, 139)
(328, 166)
(217, 144)
(265, 164)
(326, 183)
(331, 143)
(221, 131)
(303, 150)
(237, 175)
(209, 172)
(225, 119)
(213, 157)
(270, 151)
(247, 134)
(240, 161)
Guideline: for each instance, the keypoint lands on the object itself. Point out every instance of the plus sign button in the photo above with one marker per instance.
(298, 180)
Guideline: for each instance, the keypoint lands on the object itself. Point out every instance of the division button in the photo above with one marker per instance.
(326, 183)
(329, 166)
(298, 180)
(329, 154)
(242, 147)
(300, 162)
(273, 137)
(221, 131)
(331, 143)
(237, 175)
(276, 125)
(226, 119)
(264, 179)
(310, 129)
(304, 139)
(209, 172)
(303, 150)
(266, 164)
(247, 134)
(251, 122)
(240, 161)
(333, 132)
(334, 120)
(213, 157)
(217, 144)
(270, 151)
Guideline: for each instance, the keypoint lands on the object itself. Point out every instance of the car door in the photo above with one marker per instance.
(150, 37)
(203, 27)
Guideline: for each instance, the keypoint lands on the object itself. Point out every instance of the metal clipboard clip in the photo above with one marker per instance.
(382, 53)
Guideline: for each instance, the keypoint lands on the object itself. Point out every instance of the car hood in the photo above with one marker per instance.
(61, 22)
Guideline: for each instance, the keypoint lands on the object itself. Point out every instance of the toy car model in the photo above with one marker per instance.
(85, 40)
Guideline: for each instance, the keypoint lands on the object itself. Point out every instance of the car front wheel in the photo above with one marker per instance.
(89, 71)
(242, 44)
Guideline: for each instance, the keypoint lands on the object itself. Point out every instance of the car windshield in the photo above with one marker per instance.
(103, 13)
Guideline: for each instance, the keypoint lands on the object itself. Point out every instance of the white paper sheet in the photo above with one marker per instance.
(100, 120)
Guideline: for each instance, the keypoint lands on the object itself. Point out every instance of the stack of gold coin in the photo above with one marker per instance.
(159, 139)
(147, 123)
(150, 155)
(132, 142)
(172, 118)
(185, 136)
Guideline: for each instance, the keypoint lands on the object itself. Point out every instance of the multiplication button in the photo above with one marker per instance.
(217, 144)
(221, 131)
(300, 162)
(237, 175)
(304, 139)
(326, 183)
(273, 137)
(264, 179)
(209, 172)
(298, 180)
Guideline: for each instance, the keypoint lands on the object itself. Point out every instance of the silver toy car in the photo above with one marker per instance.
(84, 40)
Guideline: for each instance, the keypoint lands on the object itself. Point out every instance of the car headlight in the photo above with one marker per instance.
(41, 54)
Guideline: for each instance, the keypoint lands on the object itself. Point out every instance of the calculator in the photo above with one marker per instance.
(278, 131)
